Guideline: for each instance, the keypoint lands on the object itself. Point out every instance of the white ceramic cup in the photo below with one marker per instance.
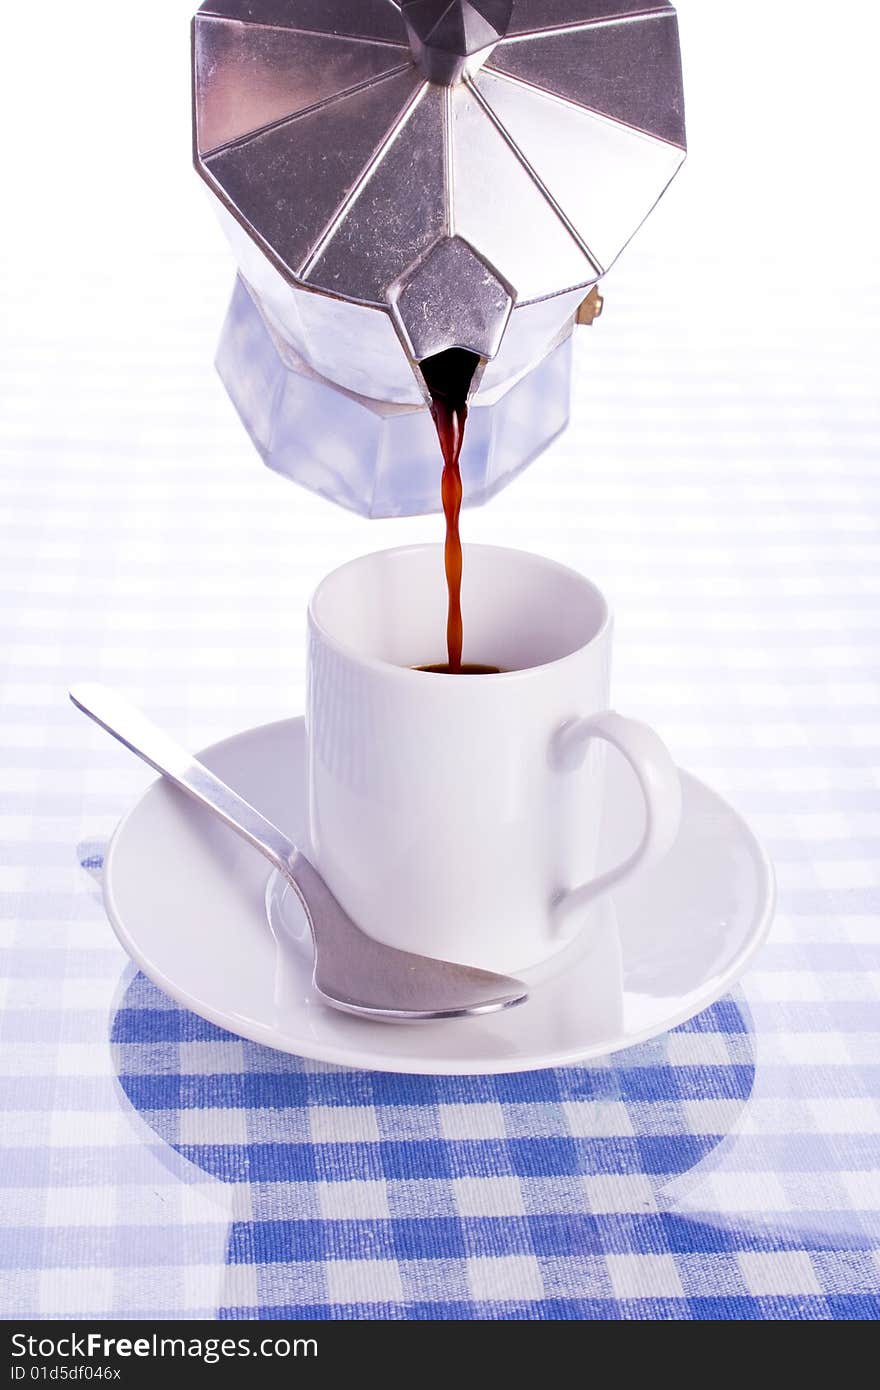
(459, 816)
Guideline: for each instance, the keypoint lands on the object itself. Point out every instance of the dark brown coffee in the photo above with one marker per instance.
(448, 376)
(469, 668)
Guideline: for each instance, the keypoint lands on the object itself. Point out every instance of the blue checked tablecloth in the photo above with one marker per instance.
(720, 482)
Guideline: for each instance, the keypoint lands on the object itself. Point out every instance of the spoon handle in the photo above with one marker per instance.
(126, 723)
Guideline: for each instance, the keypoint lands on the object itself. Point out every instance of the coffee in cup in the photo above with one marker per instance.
(461, 818)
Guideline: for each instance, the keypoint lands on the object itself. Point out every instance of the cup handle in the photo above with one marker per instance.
(658, 778)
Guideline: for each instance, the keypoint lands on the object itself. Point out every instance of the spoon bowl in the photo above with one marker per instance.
(353, 972)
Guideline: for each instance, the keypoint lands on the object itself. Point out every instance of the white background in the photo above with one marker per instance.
(715, 400)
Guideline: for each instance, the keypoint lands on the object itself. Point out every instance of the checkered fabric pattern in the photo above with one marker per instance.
(377, 1195)
(719, 481)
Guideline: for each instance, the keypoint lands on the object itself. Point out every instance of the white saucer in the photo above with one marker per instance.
(186, 898)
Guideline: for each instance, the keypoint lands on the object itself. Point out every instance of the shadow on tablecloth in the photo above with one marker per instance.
(381, 1195)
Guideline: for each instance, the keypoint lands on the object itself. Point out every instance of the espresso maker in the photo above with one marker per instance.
(401, 177)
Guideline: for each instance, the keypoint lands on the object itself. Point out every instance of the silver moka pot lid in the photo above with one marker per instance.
(445, 161)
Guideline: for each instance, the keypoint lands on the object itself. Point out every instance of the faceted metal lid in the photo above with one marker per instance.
(451, 39)
(545, 135)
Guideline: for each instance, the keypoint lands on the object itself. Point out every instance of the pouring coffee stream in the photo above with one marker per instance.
(448, 376)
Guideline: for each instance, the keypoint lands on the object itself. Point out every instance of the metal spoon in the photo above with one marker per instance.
(353, 971)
